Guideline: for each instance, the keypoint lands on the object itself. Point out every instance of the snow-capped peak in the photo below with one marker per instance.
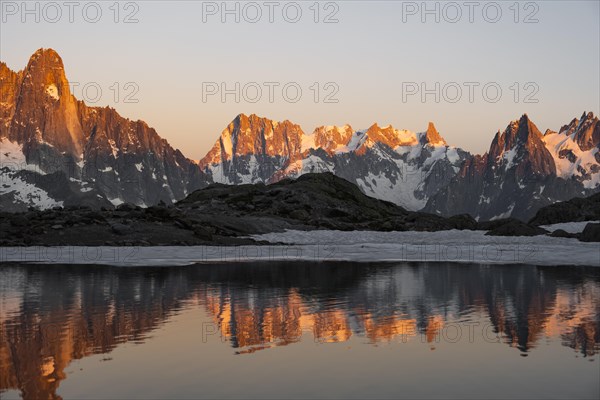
(576, 150)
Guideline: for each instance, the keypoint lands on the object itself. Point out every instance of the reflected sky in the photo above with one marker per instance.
(306, 330)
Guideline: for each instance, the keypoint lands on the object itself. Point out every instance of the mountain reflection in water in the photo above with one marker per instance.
(52, 315)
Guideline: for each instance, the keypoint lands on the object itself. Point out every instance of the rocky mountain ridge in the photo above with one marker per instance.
(49, 140)
(525, 170)
(57, 151)
(386, 163)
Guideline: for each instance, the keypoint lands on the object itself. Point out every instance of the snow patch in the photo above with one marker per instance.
(357, 139)
(571, 227)
(509, 157)
(117, 201)
(452, 155)
(583, 160)
(355, 246)
(13, 158)
(26, 192)
(505, 214)
(52, 91)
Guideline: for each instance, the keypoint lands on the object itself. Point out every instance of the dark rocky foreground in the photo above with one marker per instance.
(223, 215)
(575, 210)
(578, 209)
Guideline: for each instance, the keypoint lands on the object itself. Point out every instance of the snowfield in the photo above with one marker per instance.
(357, 246)
(583, 160)
(12, 160)
(571, 227)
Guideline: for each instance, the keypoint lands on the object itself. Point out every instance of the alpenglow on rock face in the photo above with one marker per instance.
(57, 151)
(386, 163)
(525, 170)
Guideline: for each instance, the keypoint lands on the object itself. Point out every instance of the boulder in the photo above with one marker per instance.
(120, 229)
(463, 221)
(563, 234)
(516, 228)
(591, 233)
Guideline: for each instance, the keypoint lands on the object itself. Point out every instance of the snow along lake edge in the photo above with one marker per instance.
(322, 245)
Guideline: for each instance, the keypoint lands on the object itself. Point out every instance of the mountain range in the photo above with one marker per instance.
(57, 151)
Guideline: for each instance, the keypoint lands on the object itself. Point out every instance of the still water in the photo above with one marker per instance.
(299, 330)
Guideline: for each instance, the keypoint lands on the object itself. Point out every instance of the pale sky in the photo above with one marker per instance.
(374, 55)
